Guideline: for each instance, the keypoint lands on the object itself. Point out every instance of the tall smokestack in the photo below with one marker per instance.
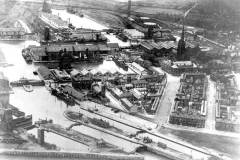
(47, 35)
(129, 8)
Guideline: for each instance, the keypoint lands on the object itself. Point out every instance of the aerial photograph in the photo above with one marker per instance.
(119, 79)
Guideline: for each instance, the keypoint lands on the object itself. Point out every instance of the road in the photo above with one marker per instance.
(167, 100)
(211, 105)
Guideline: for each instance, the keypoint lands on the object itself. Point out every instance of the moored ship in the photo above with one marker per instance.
(100, 123)
(58, 92)
(120, 63)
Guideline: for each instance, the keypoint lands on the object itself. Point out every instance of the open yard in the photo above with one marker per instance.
(227, 145)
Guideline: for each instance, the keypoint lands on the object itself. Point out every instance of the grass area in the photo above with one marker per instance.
(105, 18)
(150, 10)
(227, 145)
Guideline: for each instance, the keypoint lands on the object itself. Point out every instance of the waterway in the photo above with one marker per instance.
(41, 104)
(88, 23)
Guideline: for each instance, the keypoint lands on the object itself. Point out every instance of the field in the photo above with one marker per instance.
(150, 10)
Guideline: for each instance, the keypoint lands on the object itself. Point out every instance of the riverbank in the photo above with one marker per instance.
(66, 155)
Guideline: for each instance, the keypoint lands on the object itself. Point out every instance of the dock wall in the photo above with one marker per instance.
(70, 155)
(168, 154)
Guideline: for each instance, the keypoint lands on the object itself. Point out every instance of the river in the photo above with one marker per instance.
(40, 103)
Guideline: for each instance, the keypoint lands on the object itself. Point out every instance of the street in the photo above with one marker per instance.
(167, 100)
(211, 105)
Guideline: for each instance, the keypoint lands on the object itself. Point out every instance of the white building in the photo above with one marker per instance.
(133, 34)
(137, 68)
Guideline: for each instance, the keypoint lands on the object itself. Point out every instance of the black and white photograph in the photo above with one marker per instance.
(119, 79)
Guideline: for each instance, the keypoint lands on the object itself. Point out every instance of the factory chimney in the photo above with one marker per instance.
(129, 8)
(46, 7)
(47, 35)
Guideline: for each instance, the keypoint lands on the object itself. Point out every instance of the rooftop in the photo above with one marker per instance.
(40, 50)
(133, 32)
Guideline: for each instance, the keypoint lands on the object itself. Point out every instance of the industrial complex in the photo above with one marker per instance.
(85, 91)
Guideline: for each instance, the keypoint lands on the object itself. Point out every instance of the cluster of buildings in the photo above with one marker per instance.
(62, 45)
(135, 90)
(189, 108)
(227, 110)
(139, 92)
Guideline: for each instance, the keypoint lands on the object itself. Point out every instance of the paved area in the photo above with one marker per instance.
(202, 130)
(211, 105)
(167, 101)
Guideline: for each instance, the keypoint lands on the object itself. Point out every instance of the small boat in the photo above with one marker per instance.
(24, 81)
(35, 73)
(28, 88)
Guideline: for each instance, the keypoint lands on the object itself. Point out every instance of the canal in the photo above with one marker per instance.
(40, 103)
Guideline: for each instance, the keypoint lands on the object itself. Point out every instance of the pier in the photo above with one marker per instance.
(22, 155)
(70, 134)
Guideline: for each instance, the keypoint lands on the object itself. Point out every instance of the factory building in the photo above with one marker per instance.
(133, 34)
(79, 52)
(179, 67)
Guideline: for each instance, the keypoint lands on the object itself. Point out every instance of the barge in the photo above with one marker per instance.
(58, 92)
(120, 63)
(24, 81)
(23, 122)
